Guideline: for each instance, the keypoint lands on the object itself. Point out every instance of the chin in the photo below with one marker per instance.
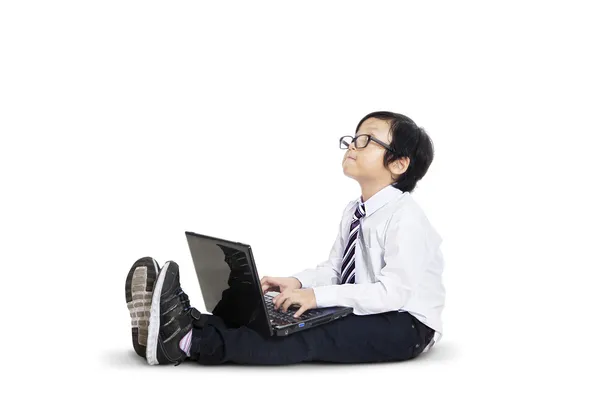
(349, 175)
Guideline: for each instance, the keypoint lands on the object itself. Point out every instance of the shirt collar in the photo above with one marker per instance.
(379, 199)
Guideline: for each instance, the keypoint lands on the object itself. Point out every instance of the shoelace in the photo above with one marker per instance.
(184, 299)
(186, 306)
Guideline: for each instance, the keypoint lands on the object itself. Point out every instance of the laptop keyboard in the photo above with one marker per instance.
(288, 316)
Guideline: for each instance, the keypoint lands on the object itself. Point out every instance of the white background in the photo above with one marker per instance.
(123, 124)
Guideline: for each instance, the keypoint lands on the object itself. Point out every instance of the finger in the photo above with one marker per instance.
(287, 303)
(268, 281)
(300, 311)
(281, 296)
(280, 301)
(277, 300)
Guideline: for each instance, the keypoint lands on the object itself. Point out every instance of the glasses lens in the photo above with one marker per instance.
(345, 142)
(361, 141)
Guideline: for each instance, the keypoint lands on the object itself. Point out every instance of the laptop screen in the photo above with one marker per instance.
(229, 281)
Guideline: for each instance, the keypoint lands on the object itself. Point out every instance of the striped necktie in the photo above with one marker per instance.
(348, 260)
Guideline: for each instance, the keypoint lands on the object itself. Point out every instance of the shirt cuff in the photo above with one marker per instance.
(326, 296)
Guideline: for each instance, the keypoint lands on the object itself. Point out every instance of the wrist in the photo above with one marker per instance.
(298, 283)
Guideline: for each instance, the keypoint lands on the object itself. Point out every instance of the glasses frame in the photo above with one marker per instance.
(370, 138)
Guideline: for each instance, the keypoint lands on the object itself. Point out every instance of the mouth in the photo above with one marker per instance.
(351, 158)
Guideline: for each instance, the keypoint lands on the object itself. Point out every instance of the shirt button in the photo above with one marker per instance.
(417, 346)
(413, 326)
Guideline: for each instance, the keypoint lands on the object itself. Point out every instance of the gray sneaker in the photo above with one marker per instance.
(138, 294)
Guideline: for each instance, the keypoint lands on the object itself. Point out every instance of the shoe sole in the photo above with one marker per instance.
(138, 294)
(154, 324)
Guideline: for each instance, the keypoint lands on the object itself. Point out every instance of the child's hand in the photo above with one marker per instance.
(269, 283)
(304, 298)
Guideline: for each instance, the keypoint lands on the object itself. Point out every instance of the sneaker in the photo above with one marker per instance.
(171, 318)
(138, 294)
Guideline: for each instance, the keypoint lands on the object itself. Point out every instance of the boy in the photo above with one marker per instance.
(386, 263)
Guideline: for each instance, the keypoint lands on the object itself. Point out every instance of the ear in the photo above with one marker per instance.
(400, 166)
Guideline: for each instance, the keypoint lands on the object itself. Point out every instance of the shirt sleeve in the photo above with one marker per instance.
(328, 271)
(409, 245)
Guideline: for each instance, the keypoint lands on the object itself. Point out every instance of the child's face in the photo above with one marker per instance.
(366, 164)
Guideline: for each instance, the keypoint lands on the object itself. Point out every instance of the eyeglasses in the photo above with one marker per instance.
(362, 141)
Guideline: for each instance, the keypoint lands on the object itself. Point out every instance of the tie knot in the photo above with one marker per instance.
(360, 211)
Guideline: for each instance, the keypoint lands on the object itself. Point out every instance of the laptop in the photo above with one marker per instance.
(231, 289)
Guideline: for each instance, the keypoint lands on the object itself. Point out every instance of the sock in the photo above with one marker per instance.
(185, 343)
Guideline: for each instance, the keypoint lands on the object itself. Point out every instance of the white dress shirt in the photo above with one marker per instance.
(398, 262)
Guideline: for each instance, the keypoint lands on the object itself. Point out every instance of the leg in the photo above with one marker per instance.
(391, 336)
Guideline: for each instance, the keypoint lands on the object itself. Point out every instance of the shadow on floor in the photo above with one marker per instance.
(128, 359)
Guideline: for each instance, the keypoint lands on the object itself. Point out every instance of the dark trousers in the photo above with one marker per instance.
(390, 336)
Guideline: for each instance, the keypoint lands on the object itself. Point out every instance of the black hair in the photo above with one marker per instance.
(408, 140)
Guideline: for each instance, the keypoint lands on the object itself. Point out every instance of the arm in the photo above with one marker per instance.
(409, 246)
(328, 271)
